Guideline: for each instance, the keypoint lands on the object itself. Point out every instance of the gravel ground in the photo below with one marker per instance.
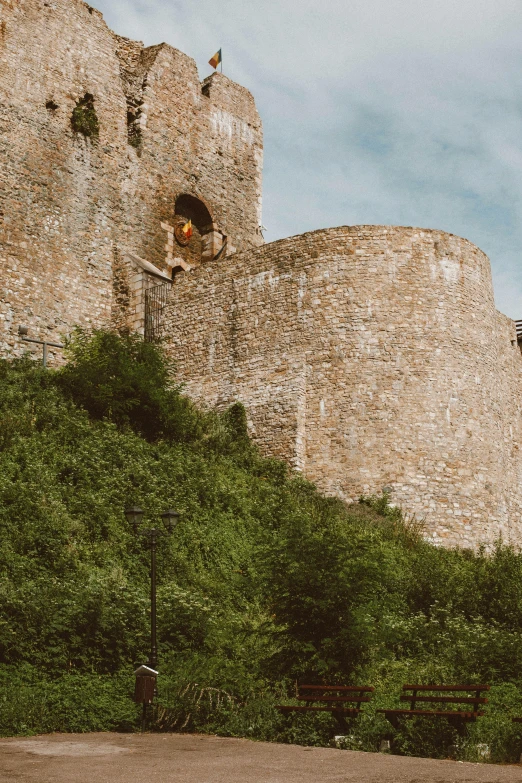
(190, 758)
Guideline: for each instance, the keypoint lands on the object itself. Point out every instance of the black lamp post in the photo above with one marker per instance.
(170, 519)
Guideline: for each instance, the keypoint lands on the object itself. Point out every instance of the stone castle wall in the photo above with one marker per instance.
(72, 207)
(368, 357)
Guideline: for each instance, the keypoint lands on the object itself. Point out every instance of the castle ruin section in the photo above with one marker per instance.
(59, 194)
(368, 357)
(189, 141)
(101, 141)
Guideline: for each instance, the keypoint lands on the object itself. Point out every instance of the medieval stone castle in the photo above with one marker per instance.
(368, 357)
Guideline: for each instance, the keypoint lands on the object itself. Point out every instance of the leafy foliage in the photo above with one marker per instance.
(129, 382)
(264, 582)
(84, 119)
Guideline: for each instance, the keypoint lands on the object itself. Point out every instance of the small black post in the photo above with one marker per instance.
(153, 644)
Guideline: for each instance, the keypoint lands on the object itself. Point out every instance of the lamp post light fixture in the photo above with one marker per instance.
(170, 519)
(134, 515)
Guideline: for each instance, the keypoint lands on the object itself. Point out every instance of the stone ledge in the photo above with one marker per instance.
(148, 267)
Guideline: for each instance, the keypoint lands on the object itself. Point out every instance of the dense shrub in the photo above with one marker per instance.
(264, 582)
(33, 703)
(123, 379)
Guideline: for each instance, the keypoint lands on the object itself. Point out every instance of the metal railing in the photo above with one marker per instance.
(156, 299)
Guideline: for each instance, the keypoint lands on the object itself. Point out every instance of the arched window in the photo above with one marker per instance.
(206, 241)
(194, 209)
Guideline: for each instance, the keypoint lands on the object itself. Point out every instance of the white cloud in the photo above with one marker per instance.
(375, 111)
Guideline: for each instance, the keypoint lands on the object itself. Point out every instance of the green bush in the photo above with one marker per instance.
(265, 581)
(129, 382)
(32, 703)
(84, 119)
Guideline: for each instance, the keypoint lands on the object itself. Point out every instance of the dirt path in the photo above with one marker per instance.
(189, 758)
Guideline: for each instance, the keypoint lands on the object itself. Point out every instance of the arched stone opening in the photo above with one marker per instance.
(193, 209)
(206, 240)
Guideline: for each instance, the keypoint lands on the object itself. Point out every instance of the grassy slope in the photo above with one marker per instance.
(264, 581)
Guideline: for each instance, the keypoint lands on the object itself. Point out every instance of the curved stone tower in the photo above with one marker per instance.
(368, 357)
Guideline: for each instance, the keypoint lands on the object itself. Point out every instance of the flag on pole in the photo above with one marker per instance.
(187, 229)
(214, 61)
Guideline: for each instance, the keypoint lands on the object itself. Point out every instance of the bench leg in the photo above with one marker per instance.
(459, 725)
(394, 720)
(341, 721)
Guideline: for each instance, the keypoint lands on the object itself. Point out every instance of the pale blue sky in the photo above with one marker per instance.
(375, 111)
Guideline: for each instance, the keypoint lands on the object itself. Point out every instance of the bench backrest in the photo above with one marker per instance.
(335, 694)
(429, 693)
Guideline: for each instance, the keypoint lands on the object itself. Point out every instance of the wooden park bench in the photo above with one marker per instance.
(440, 695)
(331, 698)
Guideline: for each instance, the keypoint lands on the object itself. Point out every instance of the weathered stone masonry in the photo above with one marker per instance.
(73, 206)
(367, 356)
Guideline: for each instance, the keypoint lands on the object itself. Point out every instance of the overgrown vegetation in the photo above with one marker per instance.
(265, 581)
(84, 119)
